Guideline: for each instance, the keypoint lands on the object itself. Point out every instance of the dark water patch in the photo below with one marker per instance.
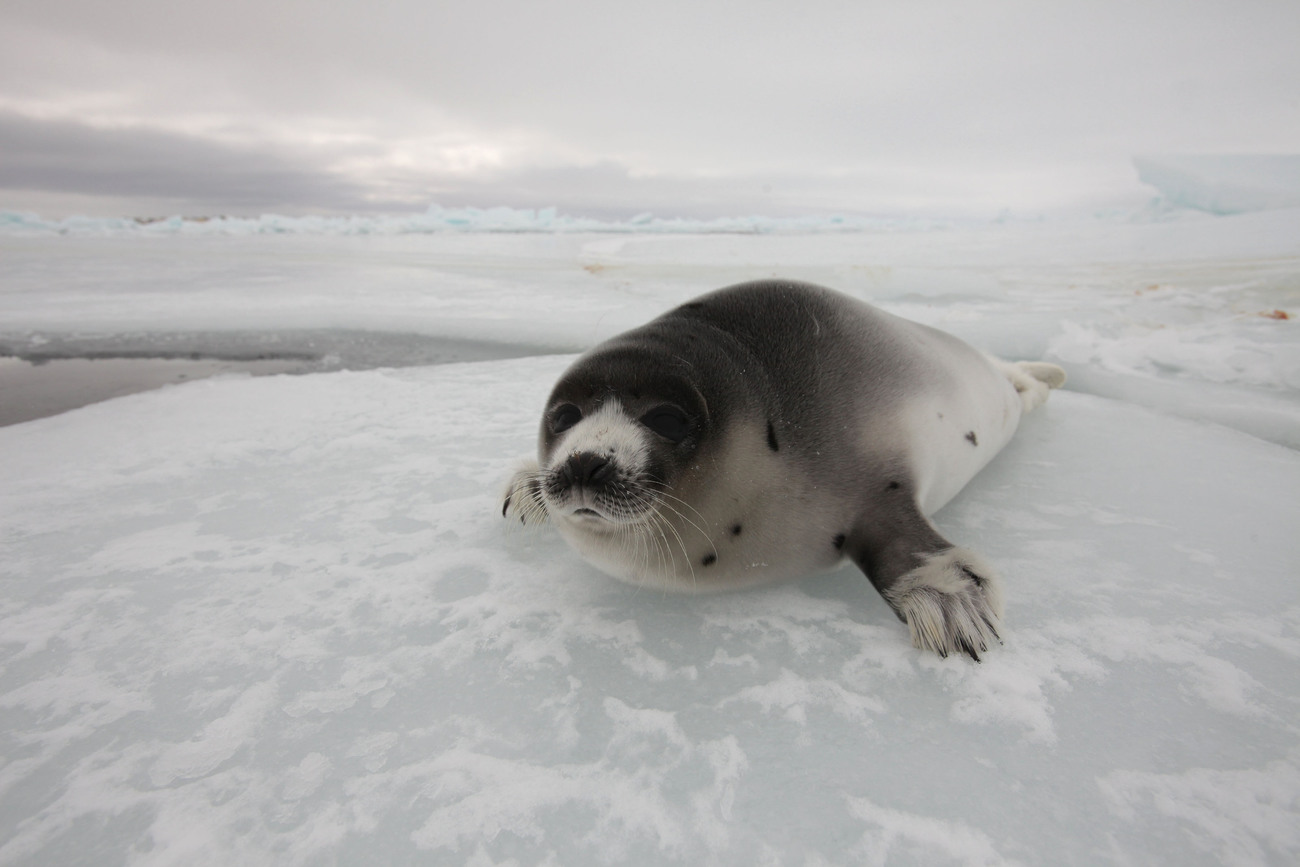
(46, 374)
(322, 349)
(35, 390)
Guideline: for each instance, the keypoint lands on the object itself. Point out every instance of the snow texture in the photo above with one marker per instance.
(279, 620)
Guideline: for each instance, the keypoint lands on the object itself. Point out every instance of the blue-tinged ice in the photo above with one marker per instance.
(1224, 184)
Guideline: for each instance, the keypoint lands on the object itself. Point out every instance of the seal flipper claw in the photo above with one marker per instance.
(523, 495)
(970, 651)
(945, 608)
(950, 599)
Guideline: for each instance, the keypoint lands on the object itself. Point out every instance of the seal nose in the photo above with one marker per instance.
(586, 470)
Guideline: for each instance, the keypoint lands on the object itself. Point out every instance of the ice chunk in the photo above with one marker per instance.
(1227, 184)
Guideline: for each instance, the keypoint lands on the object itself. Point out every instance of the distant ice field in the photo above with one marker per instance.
(279, 620)
(1179, 313)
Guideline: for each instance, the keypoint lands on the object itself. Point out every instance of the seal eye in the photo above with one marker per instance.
(667, 421)
(564, 417)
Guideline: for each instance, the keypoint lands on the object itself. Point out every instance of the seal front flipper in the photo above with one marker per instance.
(522, 498)
(950, 599)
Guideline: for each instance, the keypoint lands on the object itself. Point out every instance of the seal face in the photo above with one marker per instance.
(769, 430)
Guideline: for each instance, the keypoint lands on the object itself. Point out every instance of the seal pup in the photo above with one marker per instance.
(770, 429)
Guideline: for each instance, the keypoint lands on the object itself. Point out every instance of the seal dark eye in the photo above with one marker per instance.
(564, 417)
(667, 421)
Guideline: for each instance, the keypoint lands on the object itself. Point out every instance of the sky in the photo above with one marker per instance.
(243, 107)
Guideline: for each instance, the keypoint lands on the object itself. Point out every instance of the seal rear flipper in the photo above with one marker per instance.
(1032, 380)
(949, 597)
(1052, 375)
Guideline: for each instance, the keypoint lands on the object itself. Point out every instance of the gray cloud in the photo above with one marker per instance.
(193, 174)
(68, 157)
(673, 107)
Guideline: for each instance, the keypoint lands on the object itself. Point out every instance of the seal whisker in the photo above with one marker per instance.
(654, 533)
(638, 541)
(663, 492)
(641, 531)
(698, 528)
(681, 543)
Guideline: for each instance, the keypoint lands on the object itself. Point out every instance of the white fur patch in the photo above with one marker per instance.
(952, 603)
(610, 433)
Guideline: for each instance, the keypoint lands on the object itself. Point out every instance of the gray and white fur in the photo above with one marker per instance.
(769, 430)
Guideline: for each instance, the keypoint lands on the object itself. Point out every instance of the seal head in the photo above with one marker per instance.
(620, 433)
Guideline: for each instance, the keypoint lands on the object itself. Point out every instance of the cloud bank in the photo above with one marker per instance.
(691, 109)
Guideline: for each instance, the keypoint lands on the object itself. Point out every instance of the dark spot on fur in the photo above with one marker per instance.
(974, 440)
(894, 486)
(838, 541)
(735, 531)
(505, 507)
(709, 559)
(771, 438)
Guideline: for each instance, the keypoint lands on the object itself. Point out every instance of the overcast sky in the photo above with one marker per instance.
(137, 107)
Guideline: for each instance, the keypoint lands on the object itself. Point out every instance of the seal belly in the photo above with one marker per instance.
(750, 517)
(957, 427)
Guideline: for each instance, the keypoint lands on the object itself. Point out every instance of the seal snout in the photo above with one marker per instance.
(584, 482)
(586, 470)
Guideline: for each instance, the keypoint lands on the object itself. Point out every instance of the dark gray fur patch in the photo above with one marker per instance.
(771, 438)
(709, 559)
(735, 531)
(838, 541)
(974, 440)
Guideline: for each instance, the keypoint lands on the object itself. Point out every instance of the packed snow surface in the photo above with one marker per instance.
(280, 620)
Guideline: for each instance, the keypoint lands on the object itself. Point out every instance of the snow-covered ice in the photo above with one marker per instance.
(279, 620)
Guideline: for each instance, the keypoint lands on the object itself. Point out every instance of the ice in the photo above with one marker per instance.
(1224, 184)
(279, 620)
(1173, 313)
(440, 220)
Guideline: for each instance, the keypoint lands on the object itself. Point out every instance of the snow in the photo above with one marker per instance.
(278, 620)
